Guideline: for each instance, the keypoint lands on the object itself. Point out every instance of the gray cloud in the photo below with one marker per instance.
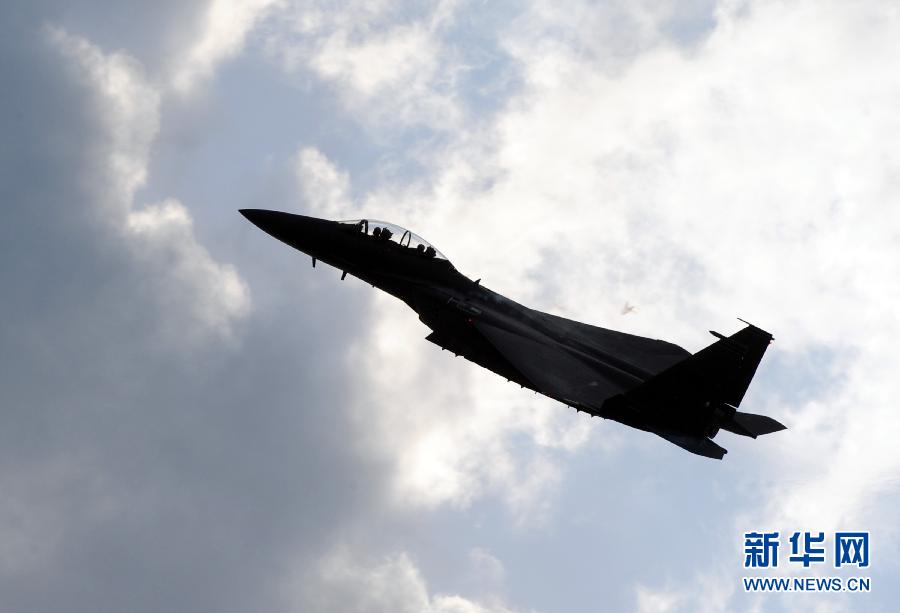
(138, 472)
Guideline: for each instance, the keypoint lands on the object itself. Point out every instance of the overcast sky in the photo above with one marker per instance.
(194, 419)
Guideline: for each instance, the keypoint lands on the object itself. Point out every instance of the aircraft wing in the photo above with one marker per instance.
(556, 372)
(646, 354)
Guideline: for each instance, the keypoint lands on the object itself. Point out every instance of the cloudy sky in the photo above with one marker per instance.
(193, 419)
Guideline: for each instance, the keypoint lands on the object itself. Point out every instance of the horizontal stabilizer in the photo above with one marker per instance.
(695, 444)
(752, 425)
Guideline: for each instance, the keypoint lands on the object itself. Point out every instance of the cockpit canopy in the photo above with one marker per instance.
(387, 231)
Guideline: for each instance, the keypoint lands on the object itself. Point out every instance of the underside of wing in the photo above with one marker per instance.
(464, 340)
(646, 355)
(556, 371)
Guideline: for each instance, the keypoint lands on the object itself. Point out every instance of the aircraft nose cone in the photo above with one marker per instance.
(275, 223)
(307, 234)
(259, 217)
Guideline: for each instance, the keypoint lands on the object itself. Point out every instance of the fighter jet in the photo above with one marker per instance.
(644, 383)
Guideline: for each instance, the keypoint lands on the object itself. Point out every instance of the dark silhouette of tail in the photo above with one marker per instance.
(691, 400)
(751, 424)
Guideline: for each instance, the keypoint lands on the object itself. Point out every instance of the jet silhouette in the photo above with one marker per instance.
(644, 383)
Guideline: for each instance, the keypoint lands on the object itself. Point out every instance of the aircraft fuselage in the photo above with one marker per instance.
(601, 372)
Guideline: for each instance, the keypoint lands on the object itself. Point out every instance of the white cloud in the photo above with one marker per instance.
(217, 293)
(322, 184)
(196, 296)
(487, 567)
(650, 601)
(376, 64)
(128, 105)
(702, 593)
(388, 62)
(751, 176)
(222, 34)
(393, 584)
(450, 428)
